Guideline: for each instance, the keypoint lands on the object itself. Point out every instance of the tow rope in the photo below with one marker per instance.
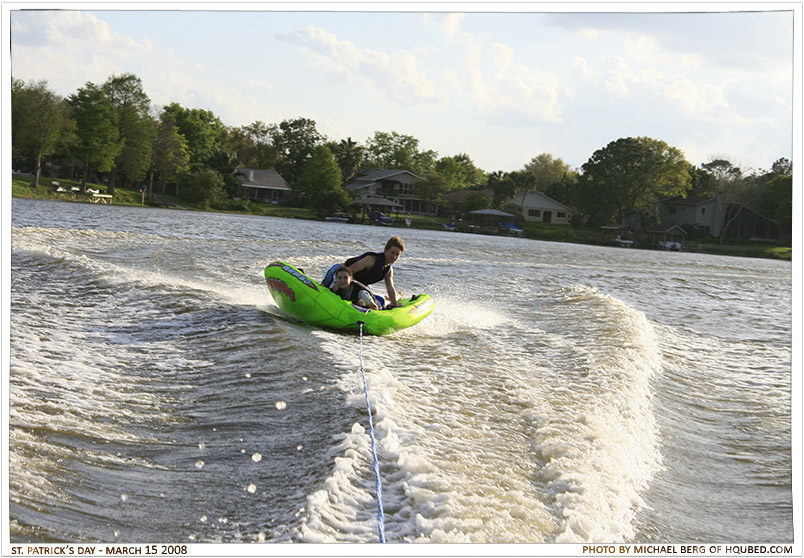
(380, 516)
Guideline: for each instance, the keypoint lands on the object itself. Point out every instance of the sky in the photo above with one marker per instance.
(499, 82)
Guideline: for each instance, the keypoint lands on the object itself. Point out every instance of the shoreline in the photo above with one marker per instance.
(564, 233)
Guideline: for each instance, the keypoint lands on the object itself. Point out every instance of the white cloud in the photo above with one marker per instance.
(70, 48)
(502, 55)
(397, 75)
(502, 88)
(647, 49)
(580, 64)
(618, 75)
(447, 23)
(704, 102)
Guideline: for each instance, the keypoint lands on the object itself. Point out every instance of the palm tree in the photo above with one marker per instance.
(349, 156)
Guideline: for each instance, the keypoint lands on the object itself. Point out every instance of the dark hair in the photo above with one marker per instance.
(345, 268)
(395, 241)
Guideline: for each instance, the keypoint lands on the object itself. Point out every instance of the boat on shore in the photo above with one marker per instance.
(337, 217)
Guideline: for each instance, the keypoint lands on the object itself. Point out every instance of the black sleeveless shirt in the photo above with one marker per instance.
(373, 274)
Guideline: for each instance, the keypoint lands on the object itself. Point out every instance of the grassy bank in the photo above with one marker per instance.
(22, 188)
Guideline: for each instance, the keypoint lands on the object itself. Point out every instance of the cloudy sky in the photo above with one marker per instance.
(499, 85)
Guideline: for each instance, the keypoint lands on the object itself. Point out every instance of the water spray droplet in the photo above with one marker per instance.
(252, 488)
(256, 458)
(199, 464)
(280, 405)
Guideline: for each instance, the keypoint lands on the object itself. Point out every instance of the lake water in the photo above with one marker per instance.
(558, 392)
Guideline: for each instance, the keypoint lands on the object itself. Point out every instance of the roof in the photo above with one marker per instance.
(495, 212)
(664, 228)
(262, 178)
(370, 175)
(537, 200)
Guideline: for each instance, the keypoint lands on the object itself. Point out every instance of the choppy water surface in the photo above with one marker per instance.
(558, 393)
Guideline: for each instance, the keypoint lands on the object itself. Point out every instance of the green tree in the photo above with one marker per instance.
(770, 194)
(349, 156)
(503, 185)
(202, 130)
(563, 189)
(203, 185)
(40, 120)
(169, 157)
(397, 151)
(253, 145)
(547, 171)
(432, 189)
(295, 141)
(97, 138)
(702, 183)
(135, 127)
(780, 201)
(460, 172)
(782, 167)
(320, 183)
(227, 165)
(630, 174)
(475, 202)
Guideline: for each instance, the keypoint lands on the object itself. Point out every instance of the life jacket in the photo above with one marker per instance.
(373, 274)
(353, 295)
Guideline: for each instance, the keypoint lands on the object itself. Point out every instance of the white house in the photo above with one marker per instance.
(537, 207)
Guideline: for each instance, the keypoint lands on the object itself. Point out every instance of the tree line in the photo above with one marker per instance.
(113, 130)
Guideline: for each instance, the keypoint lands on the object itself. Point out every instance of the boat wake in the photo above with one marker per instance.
(479, 442)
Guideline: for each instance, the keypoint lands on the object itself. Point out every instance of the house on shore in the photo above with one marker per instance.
(697, 211)
(536, 207)
(266, 186)
(734, 220)
(388, 190)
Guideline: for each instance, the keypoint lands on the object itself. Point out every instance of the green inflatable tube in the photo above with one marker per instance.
(306, 299)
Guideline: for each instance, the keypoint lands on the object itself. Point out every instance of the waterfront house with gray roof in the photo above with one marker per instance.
(395, 185)
(263, 185)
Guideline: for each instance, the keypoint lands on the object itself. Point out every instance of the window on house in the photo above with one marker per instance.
(703, 211)
(561, 215)
(534, 212)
